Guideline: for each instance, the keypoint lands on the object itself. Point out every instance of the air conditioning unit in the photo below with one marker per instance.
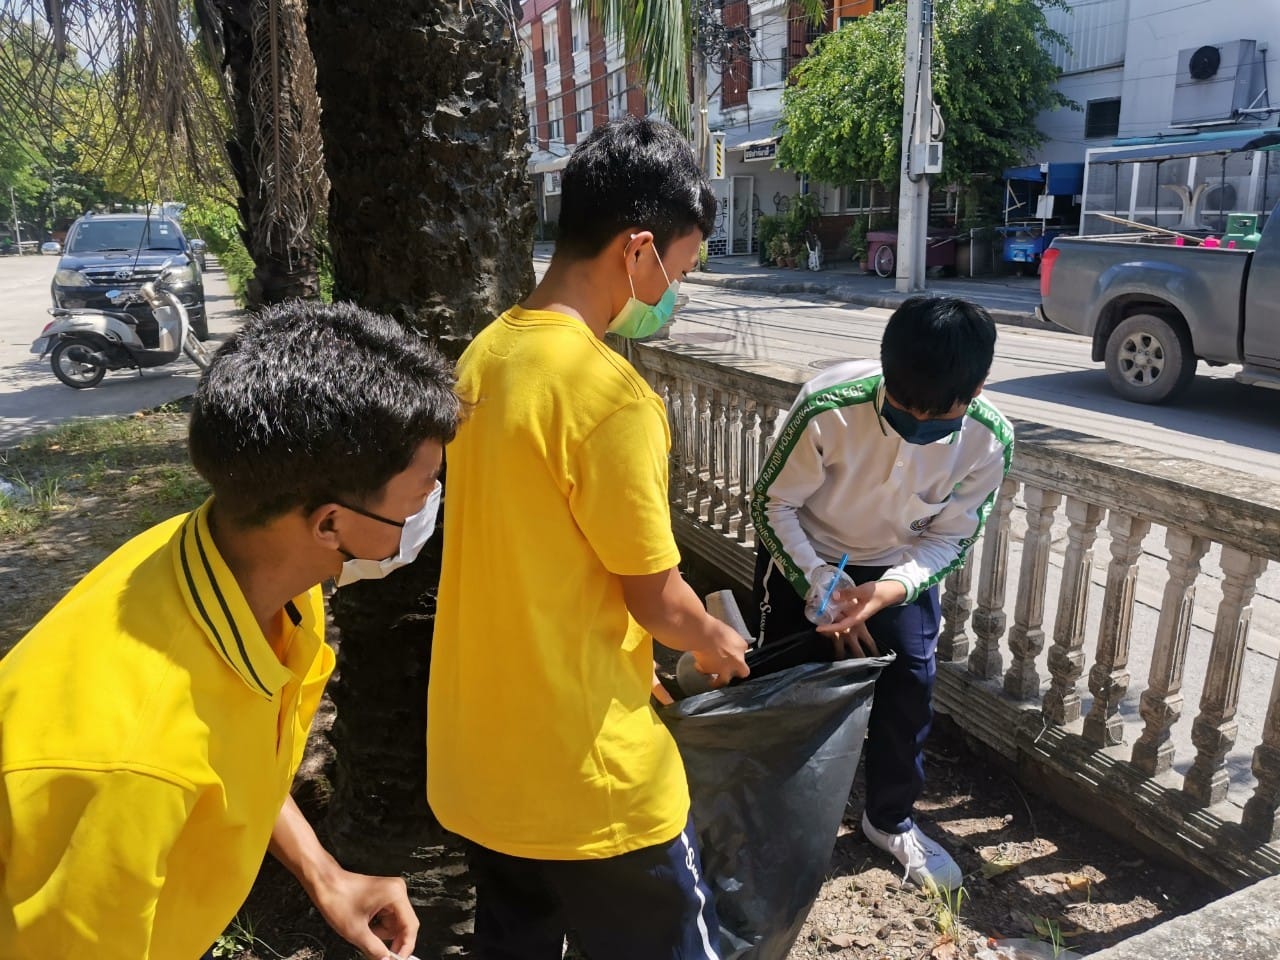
(1219, 83)
(1225, 195)
(1211, 197)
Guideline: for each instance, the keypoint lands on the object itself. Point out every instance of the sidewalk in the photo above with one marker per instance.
(1011, 300)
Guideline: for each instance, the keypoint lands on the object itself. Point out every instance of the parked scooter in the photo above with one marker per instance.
(84, 344)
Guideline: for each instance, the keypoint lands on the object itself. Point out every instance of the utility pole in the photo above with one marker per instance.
(702, 30)
(917, 130)
(701, 133)
(17, 224)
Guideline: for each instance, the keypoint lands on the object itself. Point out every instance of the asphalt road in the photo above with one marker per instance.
(1039, 374)
(31, 399)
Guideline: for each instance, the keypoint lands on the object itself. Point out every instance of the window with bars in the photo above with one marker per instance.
(550, 39)
(583, 97)
(618, 93)
(526, 49)
(735, 75)
(864, 196)
(555, 118)
(1102, 118)
(578, 25)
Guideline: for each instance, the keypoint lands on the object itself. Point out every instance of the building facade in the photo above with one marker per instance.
(575, 78)
(765, 39)
(1127, 63)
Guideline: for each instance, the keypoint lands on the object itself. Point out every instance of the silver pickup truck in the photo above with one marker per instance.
(1154, 309)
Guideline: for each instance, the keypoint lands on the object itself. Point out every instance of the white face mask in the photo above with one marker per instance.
(415, 532)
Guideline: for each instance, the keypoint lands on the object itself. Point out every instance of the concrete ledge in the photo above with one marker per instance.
(1242, 926)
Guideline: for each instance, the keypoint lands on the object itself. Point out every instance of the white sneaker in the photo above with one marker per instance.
(926, 863)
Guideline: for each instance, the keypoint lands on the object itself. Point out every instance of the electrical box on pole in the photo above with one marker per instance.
(926, 157)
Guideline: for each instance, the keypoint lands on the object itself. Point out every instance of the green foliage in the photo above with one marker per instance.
(856, 239)
(993, 76)
(768, 228)
(782, 235)
(44, 137)
(218, 224)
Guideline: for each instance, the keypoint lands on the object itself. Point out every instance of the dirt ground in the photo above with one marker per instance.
(1032, 869)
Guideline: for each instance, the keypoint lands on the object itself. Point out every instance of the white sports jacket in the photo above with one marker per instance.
(839, 479)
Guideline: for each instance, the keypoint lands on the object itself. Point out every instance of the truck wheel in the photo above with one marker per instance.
(1149, 359)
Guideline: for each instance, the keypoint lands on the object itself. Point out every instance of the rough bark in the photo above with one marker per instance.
(430, 220)
(283, 270)
(431, 213)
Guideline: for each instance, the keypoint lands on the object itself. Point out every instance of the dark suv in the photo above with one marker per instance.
(122, 251)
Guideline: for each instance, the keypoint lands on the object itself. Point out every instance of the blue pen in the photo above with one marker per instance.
(831, 587)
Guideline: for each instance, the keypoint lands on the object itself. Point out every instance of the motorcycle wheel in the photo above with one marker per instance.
(72, 372)
(198, 353)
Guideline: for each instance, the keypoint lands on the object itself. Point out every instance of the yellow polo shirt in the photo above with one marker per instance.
(149, 733)
(541, 741)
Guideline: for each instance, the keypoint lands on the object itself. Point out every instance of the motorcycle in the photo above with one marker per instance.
(84, 344)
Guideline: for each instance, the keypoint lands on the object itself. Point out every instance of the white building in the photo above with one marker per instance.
(1130, 67)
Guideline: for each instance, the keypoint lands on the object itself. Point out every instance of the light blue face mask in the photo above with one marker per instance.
(638, 319)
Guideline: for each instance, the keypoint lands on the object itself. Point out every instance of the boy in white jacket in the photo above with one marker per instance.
(897, 464)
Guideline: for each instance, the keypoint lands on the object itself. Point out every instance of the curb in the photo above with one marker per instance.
(846, 294)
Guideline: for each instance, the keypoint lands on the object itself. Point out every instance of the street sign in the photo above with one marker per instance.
(761, 151)
(717, 156)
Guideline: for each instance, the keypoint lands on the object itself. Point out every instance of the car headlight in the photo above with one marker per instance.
(70, 278)
(180, 276)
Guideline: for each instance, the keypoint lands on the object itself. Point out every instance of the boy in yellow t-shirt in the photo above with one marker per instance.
(152, 722)
(559, 567)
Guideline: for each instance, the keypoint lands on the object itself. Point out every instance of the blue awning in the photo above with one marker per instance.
(1149, 149)
(1059, 179)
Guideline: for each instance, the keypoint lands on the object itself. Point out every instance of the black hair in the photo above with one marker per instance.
(936, 352)
(633, 172)
(309, 403)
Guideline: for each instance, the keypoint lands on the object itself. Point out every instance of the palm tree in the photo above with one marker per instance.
(431, 220)
(216, 90)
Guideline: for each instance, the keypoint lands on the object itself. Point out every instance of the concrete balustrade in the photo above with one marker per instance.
(1101, 703)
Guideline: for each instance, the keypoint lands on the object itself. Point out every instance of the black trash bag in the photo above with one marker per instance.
(770, 763)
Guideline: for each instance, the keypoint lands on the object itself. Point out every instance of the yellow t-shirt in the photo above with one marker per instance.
(148, 737)
(541, 741)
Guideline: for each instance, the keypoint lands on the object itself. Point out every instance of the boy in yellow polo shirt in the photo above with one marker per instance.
(152, 722)
(559, 567)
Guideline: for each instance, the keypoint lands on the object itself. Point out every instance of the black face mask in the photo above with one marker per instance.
(914, 430)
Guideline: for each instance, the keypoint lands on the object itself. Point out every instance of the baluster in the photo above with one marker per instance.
(745, 465)
(750, 466)
(703, 413)
(665, 388)
(1214, 730)
(1260, 812)
(716, 459)
(1109, 678)
(1161, 703)
(1066, 656)
(989, 618)
(1026, 639)
(678, 393)
(953, 641)
(733, 463)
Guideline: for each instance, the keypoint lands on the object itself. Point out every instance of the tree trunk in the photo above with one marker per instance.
(285, 268)
(431, 221)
